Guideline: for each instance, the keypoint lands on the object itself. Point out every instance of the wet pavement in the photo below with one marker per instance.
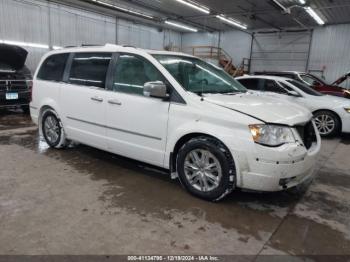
(85, 201)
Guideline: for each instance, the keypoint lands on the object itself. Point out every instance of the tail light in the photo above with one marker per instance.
(30, 87)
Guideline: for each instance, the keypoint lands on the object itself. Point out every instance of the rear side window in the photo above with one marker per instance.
(251, 84)
(272, 86)
(90, 69)
(53, 68)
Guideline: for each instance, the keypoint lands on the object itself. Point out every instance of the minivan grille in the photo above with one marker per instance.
(13, 85)
(307, 134)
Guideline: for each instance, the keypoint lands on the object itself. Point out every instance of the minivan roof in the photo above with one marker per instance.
(115, 48)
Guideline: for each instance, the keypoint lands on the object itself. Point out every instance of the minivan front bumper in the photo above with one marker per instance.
(276, 169)
(273, 176)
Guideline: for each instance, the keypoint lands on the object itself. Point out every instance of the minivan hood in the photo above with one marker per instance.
(12, 56)
(262, 107)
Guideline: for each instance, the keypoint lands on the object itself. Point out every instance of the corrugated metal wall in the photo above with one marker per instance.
(200, 39)
(145, 36)
(280, 51)
(25, 22)
(331, 48)
(40, 22)
(236, 43)
(71, 27)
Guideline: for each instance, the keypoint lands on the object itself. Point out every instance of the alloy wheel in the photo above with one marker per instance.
(52, 129)
(202, 170)
(325, 124)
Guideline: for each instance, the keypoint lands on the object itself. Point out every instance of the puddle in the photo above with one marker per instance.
(302, 236)
(148, 191)
(334, 178)
(14, 119)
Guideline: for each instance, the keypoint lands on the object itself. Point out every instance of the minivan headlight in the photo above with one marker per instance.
(272, 135)
(347, 109)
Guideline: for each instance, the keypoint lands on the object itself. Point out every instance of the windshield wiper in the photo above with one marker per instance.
(233, 92)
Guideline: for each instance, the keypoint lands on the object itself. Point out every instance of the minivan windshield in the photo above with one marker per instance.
(199, 77)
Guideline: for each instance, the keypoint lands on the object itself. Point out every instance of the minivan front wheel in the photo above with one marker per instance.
(206, 168)
(52, 130)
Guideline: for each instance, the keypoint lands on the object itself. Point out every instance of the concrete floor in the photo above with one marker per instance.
(85, 201)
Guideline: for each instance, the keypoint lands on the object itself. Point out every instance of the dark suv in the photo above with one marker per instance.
(315, 82)
(15, 78)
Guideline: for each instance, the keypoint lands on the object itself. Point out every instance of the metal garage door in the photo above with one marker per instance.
(280, 51)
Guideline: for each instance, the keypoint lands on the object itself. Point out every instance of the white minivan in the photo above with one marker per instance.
(177, 112)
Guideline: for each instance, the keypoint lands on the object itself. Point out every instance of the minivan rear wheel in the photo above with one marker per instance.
(52, 130)
(206, 168)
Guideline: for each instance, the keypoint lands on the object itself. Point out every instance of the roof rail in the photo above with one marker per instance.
(82, 45)
(87, 45)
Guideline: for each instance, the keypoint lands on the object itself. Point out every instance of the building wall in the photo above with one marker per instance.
(326, 47)
(52, 24)
(331, 49)
(235, 43)
(280, 51)
(129, 33)
(199, 39)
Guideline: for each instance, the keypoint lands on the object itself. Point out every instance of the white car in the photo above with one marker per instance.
(177, 112)
(332, 114)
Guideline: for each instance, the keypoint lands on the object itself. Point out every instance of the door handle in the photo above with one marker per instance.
(114, 102)
(97, 99)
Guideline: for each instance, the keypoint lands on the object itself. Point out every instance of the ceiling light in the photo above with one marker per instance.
(55, 47)
(303, 2)
(315, 16)
(279, 5)
(201, 8)
(192, 29)
(24, 44)
(123, 9)
(232, 22)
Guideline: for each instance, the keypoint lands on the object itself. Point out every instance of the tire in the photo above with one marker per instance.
(51, 124)
(25, 109)
(327, 123)
(218, 161)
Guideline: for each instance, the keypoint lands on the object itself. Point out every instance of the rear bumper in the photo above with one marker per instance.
(23, 99)
(34, 113)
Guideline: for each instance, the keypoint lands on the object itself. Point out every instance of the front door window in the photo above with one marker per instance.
(132, 72)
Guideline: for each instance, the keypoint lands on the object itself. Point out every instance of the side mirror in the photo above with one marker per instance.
(155, 89)
(293, 93)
